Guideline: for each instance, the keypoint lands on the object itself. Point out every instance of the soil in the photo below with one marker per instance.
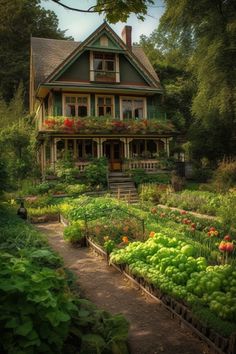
(152, 329)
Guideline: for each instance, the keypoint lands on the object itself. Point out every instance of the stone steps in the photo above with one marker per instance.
(122, 187)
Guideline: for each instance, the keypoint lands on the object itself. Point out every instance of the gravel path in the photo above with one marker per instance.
(152, 330)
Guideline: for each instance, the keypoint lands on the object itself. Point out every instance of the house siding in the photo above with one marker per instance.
(128, 74)
(78, 71)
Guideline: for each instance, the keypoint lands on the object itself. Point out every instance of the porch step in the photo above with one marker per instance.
(122, 187)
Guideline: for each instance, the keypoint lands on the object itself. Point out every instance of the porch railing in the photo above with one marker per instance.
(147, 165)
(81, 165)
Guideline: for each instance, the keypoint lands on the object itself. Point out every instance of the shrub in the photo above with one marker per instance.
(202, 174)
(74, 189)
(66, 171)
(227, 210)
(225, 175)
(140, 176)
(96, 172)
(152, 192)
(75, 233)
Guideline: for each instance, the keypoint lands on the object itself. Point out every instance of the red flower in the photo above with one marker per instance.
(50, 123)
(229, 247)
(227, 238)
(69, 123)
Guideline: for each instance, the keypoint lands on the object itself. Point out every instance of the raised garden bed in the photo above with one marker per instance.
(217, 342)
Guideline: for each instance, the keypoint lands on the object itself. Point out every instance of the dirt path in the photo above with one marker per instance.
(152, 331)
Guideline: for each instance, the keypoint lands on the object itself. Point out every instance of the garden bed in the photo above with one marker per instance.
(179, 310)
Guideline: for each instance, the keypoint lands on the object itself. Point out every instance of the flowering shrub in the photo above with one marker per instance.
(101, 124)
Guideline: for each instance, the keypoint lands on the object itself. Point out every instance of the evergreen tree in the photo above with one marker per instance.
(19, 20)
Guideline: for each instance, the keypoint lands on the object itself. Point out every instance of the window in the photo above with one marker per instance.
(132, 108)
(76, 106)
(104, 106)
(104, 67)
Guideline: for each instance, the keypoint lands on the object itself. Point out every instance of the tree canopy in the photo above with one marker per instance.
(19, 20)
(194, 49)
(114, 11)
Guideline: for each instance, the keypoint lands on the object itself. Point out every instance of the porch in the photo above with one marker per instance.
(124, 153)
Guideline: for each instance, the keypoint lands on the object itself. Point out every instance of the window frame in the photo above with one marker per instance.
(133, 98)
(112, 102)
(77, 105)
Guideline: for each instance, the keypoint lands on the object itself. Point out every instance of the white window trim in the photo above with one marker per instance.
(113, 104)
(134, 98)
(117, 66)
(75, 95)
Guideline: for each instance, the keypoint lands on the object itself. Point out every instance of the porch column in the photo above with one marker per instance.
(102, 140)
(128, 147)
(43, 157)
(124, 141)
(157, 150)
(97, 140)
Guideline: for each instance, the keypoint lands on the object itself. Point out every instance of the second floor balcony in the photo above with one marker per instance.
(106, 125)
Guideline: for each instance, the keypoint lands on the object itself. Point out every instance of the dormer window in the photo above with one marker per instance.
(104, 67)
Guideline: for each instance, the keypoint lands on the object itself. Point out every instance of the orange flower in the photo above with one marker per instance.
(125, 239)
(152, 234)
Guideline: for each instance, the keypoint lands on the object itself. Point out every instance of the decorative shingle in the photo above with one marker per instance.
(48, 54)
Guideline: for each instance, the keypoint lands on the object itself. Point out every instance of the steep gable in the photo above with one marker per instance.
(56, 59)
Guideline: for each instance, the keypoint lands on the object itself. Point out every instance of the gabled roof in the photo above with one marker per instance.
(51, 55)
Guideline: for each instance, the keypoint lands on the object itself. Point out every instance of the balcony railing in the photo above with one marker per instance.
(106, 125)
(104, 76)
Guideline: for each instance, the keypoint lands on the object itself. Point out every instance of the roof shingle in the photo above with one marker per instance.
(48, 54)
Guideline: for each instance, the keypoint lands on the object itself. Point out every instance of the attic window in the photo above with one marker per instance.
(104, 67)
(104, 41)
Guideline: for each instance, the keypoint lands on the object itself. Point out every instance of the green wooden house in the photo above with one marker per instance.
(99, 97)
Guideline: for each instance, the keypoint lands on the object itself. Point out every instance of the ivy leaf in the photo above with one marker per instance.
(24, 329)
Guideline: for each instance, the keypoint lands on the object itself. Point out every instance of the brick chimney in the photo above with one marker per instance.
(126, 35)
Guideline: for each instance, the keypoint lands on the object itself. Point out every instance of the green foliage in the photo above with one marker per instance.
(121, 10)
(139, 176)
(65, 170)
(151, 192)
(75, 233)
(38, 312)
(227, 210)
(212, 64)
(225, 175)
(203, 202)
(109, 246)
(96, 172)
(74, 189)
(29, 19)
(17, 141)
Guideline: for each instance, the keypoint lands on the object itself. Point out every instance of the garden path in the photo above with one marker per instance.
(152, 330)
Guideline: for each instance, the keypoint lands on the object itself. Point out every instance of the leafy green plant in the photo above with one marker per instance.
(38, 311)
(75, 233)
(225, 175)
(227, 210)
(96, 172)
(74, 189)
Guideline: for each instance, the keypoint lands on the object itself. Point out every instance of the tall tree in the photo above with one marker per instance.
(212, 24)
(169, 57)
(19, 20)
(114, 11)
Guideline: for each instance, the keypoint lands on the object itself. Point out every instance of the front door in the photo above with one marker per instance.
(113, 152)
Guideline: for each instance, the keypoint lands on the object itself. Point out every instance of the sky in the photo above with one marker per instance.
(81, 25)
